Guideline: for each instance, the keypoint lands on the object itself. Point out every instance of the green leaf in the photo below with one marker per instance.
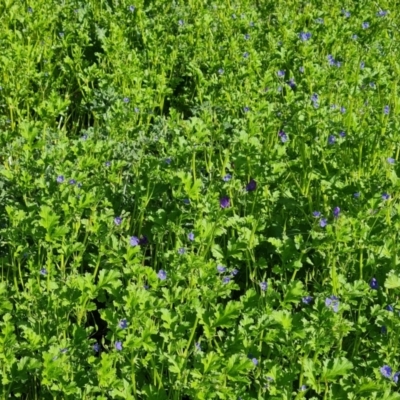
(226, 317)
(294, 292)
(335, 368)
(392, 281)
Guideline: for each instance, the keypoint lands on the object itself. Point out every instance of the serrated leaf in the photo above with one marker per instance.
(335, 368)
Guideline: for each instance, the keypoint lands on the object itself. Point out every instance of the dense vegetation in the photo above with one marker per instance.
(199, 199)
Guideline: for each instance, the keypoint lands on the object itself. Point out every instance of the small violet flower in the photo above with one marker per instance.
(307, 299)
(118, 345)
(117, 220)
(390, 160)
(191, 236)
(283, 136)
(134, 241)
(123, 324)
(263, 286)
(227, 178)
(251, 186)
(332, 302)
(225, 202)
(323, 222)
(386, 371)
(221, 268)
(374, 284)
(162, 275)
(60, 179)
(336, 212)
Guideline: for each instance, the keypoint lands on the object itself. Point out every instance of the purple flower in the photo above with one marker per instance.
(251, 186)
(385, 196)
(123, 324)
(191, 236)
(383, 330)
(372, 85)
(134, 241)
(390, 160)
(246, 54)
(247, 36)
(186, 201)
(303, 388)
(301, 69)
(365, 25)
(64, 350)
(30, 10)
(220, 71)
(386, 110)
(307, 299)
(118, 345)
(304, 36)
(331, 139)
(356, 195)
(381, 13)
(246, 109)
(235, 272)
(180, 22)
(131, 8)
(162, 275)
(126, 99)
(281, 73)
(386, 371)
(43, 271)
(362, 64)
(336, 212)
(168, 160)
(181, 250)
(61, 34)
(221, 268)
(374, 284)
(107, 163)
(314, 97)
(291, 83)
(254, 361)
(389, 308)
(84, 137)
(198, 347)
(331, 60)
(146, 287)
(316, 214)
(96, 347)
(227, 177)
(225, 202)
(323, 222)
(342, 134)
(226, 280)
(60, 179)
(136, 109)
(283, 136)
(396, 377)
(333, 303)
(263, 286)
(117, 220)
(342, 110)
(354, 37)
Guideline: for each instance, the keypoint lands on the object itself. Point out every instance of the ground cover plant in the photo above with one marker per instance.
(199, 199)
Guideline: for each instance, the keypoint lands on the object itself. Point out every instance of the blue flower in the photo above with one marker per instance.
(162, 275)
(117, 220)
(354, 37)
(96, 347)
(333, 303)
(118, 345)
(107, 163)
(386, 110)
(396, 377)
(314, 97)
(246, 109)
(168, 160)
(191, 236)
(319, 20)
(235, 272)
(181, 250)
(227, 178)
(342, 110)
(221, 268)
(134, 241)
(331, 139)
(390, 160)
(281, 73)
(43, 271)
(263, 286)
(362, 64)
(247, 36)
(356, 195)
(336, 212)
(186, 201)
(383, 330)
(283, 136)
(323, 222)
(60, 179)
(123, 324)
(180, 22)
(301, 69)
(374, 284)
(226, 280)
(246, 54)
(304, 36)
(381, 13)
(365, 25)
(224, 202)
(316, 214)
(254, 361)
(307, 299)
(198, 347)
(385, 196)
(126, 99)
(251, 186)
(389, 308)
(131, 8)
(386, 371)
(220, 71)
(342, 134)
(303, 388)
